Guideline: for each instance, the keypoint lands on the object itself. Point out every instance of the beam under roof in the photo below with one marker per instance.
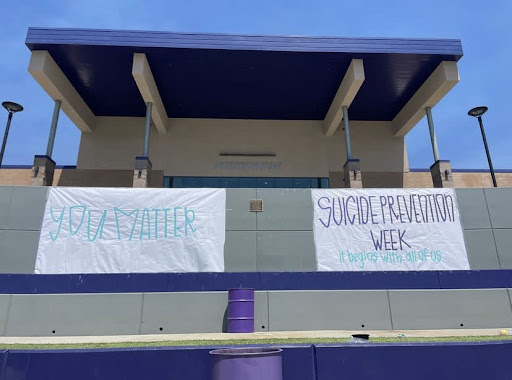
(350, 85)
(438, 84)
(147, 86)
(51, 78)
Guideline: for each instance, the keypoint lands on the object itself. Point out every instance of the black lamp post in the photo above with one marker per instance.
(478, 112)
(12, 108)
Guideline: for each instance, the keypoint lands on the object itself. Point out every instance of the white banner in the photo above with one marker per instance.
(126, 230)
(388, 230)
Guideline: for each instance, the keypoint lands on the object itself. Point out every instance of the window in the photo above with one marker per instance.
(247, 182)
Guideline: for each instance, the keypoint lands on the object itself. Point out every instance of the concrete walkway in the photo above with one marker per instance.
(252, 336)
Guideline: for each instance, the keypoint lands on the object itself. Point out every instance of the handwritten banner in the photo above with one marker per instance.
(121, 230)
(388, 229)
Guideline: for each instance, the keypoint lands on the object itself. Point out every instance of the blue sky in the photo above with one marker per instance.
(484, 28)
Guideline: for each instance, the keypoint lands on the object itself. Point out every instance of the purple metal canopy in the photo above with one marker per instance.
(241, 77)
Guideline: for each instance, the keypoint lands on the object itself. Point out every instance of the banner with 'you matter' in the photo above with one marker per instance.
(126, 230)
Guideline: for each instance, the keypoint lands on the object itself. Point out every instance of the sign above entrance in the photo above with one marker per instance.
(388, 230)
(248, 166)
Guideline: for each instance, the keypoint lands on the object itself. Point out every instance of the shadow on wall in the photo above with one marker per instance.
(102, 178)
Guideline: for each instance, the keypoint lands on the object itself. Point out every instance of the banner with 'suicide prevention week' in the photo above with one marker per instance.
(126, 230)
(388, 230)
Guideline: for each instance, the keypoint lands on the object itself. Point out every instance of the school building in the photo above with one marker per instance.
(270, 118)
(159, 109)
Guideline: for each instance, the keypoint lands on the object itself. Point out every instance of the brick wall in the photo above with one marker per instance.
(124, 178)
(460, 179)
(80, 177)
(16, 177)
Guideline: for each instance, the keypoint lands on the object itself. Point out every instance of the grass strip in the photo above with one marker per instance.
(234, 342)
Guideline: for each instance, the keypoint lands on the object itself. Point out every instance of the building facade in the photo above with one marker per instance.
(162, 109)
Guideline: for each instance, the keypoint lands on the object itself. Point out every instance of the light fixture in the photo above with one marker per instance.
(478, 112)
(12, 108)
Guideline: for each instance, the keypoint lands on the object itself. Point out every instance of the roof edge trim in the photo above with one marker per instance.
(104, 37)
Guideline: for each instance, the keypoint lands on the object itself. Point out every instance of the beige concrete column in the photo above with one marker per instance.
(441, 172)
(42, 171)
(352, 174)
(142, 172)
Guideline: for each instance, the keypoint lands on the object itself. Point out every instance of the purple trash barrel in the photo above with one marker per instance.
(247, 364)
(241, 310)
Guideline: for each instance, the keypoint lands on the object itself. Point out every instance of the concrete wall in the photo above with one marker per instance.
(21, 212)
(487, 221)
(192, 147)
(281, 237)
(291, 310)
(278, 239)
